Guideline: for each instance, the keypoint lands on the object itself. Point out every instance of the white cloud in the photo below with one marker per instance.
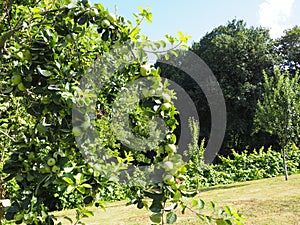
(275, 14)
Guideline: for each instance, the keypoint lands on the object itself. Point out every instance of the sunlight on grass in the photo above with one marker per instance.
(268, 201)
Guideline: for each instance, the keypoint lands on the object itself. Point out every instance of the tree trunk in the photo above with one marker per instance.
(285, 163)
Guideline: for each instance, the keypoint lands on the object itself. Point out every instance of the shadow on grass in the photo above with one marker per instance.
(222, 187)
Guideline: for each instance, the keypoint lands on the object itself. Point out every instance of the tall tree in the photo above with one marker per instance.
(237, 55)
(278, 112)
(288, 47)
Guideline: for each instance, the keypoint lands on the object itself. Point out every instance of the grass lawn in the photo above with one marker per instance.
(268, 201)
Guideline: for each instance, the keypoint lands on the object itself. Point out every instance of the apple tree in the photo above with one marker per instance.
(46, 49)
(278, 112)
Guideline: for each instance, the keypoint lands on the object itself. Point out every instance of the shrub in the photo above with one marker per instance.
(243, 167)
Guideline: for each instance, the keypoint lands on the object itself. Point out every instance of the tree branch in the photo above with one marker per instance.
(7, 35)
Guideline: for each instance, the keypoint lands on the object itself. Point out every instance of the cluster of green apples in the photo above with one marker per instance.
(174, 175)
(50, 166)
(16, 80)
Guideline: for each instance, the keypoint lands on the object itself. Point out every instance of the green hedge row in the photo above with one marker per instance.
(243, 167)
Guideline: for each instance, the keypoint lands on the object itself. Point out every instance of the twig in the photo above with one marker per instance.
(7, 135)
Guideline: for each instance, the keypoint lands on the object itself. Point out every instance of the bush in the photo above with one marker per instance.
(242, 167)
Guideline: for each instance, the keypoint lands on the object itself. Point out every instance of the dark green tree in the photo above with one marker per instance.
(288, 47)
(237, 55)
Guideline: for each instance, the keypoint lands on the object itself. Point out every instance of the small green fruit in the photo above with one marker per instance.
(165, 106)
(169, 165)
(16, 79)
(69, 38)
(51, 162)
(105, 23)
(19, 177)
(46, 100)
(90, 171)
(170, 148)
(31, 156)
(172, 138)
(18, 217)
(45, 169)
(86, 124)
(77, 131)
(112, 18)
(27, 54)
(145, 70)
(20, 55)
(169, 179)
(166, 97)
(21, 87)
(55, 169)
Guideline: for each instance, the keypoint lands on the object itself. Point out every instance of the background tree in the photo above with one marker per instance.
(288, 47)
(278, 112)
(237, 55)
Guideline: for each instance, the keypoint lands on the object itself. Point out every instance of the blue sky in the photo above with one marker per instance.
(197, 17)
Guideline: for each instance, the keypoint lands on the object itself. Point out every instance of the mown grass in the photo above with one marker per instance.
(268, 201)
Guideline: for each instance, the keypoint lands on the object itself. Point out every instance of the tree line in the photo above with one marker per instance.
(248, 65)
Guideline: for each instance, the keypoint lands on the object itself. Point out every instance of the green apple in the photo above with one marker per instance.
(16, 79)
(169, 179)
(170, 148)
(145, 70)
(88, 4)
(55, 169)
(28, 78)
(21, 87)
(18, 217)
(46, 100)
(27, 54)
(169, 165)
(20, 55)
(166, 97)
(172, 138)
(105, 23)
(77, 131)
(45, 169)
(19, 177)
(69, 38)
(31, 156)
(86, 124)
(51, 162)
(165, 106)
(112, 18)
(90, 171)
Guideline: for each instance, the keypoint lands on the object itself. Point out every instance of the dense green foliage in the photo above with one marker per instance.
(64, 104)
(278, 112)
(47, 114)
(237, 55)
(243, 166)
(288, 48)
